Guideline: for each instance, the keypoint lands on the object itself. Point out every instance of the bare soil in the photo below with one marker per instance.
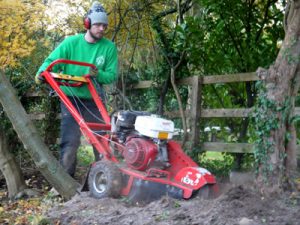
(237, 205)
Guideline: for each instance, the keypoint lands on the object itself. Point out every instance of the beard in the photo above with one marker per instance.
(96, 36)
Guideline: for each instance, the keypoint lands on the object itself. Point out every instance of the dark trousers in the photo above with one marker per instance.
(70, 131)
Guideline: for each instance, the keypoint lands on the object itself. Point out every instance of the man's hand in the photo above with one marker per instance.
(93, 72)
(39, 79)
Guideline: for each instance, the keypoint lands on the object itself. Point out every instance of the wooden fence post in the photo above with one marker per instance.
(195, 110)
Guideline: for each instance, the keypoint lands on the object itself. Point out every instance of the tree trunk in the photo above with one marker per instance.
(282, 82)
(10, 169)
(28, 134)
(52, 124)
(181, 110)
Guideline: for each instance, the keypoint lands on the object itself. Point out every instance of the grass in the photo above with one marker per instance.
(85, 155)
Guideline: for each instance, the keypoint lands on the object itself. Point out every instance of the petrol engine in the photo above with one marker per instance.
(144, 137)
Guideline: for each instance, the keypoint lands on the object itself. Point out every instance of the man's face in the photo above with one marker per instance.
(97, 31)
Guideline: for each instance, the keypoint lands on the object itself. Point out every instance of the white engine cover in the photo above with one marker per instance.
(155, 127)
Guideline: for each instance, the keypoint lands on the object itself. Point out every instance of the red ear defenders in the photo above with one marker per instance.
(87, 23)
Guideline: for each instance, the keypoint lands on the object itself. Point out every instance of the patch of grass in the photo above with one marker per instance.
(85, 155)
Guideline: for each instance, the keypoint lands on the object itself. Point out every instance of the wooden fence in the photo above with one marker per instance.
(196, 112)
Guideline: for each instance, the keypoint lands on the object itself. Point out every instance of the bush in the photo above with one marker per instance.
(217, 163)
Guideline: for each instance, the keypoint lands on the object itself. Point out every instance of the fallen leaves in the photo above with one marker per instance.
(25, 211)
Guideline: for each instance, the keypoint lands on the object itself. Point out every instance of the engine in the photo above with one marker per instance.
(140, 153)
(145, 139)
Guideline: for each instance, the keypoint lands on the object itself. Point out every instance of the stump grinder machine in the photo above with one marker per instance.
(139, 158)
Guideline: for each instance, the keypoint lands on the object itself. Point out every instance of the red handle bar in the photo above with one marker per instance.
(67, 61)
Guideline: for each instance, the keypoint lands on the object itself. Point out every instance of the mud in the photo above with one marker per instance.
(236, 205)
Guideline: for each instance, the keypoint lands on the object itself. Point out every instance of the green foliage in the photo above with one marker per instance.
(239, 33)
(85, 155)
(248, 162)
(218, 164)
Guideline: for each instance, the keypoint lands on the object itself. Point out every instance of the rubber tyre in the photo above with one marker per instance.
(104, 180)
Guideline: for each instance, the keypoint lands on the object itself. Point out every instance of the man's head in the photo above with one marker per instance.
(96, 21)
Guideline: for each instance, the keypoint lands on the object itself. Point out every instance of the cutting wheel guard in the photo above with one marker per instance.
(183, 174)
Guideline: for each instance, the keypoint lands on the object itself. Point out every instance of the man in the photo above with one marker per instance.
(93, 48)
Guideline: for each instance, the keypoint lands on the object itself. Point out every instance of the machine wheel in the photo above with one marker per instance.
(104, 180)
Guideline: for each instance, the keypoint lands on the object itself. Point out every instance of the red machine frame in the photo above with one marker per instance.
(183, 173)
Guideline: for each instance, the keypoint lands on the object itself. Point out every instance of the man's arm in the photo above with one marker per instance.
(110, 72)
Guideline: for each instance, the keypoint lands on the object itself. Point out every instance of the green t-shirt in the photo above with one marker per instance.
(102, 54)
